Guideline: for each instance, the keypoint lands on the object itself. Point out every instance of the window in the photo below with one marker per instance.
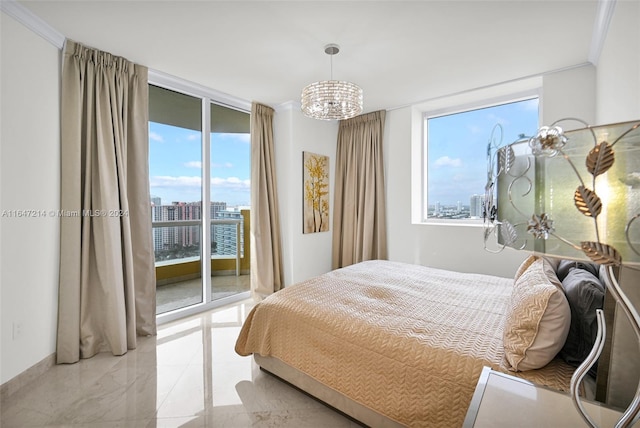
(455, 145)
(199, 176)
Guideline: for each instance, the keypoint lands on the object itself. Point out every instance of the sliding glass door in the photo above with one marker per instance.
(199, 166)
(230, 154)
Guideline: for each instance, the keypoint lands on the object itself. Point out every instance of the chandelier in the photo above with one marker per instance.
(331, 99)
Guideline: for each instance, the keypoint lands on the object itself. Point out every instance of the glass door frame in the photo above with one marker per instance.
(208, 97)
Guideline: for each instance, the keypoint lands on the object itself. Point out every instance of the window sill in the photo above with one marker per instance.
(471, 222)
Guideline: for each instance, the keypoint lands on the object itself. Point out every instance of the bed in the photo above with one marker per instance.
(395, 344)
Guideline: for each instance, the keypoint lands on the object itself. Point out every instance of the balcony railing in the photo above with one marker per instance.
(183, 246)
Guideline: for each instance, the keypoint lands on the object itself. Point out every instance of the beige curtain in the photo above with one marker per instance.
(266, 251)
(359, 219)
(107, 276)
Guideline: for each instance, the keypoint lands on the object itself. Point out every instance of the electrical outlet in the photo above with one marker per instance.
(17, 330)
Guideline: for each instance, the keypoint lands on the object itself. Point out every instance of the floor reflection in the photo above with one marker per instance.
(186, 376)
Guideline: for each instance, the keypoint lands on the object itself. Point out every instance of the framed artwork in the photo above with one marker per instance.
(315, 174)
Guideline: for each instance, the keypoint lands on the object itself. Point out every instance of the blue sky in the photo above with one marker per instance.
(457, 162)
(175, 165)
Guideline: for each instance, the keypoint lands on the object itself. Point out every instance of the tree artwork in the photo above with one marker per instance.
(316, 193)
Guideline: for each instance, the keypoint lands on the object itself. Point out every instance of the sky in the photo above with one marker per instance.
(175, 165)
(457, 148)
(457, 162)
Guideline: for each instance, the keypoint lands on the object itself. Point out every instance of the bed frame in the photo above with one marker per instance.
(324, 394)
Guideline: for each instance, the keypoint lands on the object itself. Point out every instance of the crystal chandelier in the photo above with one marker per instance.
(332, 99)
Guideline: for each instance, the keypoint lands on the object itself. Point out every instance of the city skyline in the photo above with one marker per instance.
(162, 202)
(180, 241)
(458, 210)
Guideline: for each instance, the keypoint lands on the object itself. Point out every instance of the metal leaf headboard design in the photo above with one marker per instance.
(531, 185)
(516, 170)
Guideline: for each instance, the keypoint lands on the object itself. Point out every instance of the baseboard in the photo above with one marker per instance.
(10, 387)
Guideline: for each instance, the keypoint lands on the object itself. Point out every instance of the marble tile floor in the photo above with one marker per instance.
(187, 376)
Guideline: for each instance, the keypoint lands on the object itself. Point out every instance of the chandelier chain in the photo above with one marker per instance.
(331, 62)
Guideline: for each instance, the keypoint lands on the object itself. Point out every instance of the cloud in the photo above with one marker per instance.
(167, 181)
(222, 165)
(193, 137)
(233, 183)
(447, 161)
(156, 137)
(198, 165)
(193, 164)
(170, 181)
(186, 185)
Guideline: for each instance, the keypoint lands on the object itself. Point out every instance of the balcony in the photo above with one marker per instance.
(178, 262)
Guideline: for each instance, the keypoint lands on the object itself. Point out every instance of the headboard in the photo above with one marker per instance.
(618, 367)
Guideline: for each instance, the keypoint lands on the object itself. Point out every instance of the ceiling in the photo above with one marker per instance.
(399, 52)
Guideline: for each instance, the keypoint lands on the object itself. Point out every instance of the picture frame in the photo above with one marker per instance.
(315, 192)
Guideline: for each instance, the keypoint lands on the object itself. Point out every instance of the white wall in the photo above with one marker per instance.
(461, 247)
(29, 178)
(569, 93)
(447, 247)
(305, 255)
(618, 80)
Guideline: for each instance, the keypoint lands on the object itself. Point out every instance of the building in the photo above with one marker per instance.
(225, 235)
(476, 206)
(170, 237)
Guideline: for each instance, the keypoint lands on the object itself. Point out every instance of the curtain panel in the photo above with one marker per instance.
(359, 218)
(107, 275)
(266, 247)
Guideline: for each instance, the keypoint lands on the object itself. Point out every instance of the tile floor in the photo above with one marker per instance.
(186, 376)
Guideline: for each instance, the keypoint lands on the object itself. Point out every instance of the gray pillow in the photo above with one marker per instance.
(585, 294)
(564, 266)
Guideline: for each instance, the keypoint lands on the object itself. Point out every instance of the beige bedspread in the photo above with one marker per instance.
(406, 341)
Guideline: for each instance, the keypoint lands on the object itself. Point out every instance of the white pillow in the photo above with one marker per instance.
(537, 319)
(524, 266)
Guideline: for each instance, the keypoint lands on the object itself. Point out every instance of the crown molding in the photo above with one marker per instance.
(600, 29)
(32, 22)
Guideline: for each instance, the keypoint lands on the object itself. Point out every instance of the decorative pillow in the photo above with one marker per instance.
(565, 266)
(537, 319)
(524, 266)
(554, 262)
(585, 294)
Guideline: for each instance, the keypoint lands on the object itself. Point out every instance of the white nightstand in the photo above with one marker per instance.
(501, 400)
